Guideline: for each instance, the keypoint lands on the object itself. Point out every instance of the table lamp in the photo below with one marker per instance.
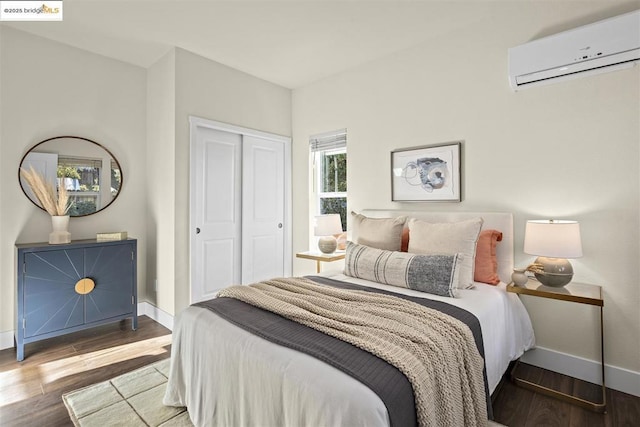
(325, 227)
(553, 241)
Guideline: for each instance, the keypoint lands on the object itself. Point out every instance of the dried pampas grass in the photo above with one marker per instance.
(56, 203)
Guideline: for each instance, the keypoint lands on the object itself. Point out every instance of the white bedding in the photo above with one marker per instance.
(227, 376)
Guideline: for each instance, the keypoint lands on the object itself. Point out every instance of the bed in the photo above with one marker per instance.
(226, 375)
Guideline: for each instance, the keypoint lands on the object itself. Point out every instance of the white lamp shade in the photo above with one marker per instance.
(553, 239)
(327, 225)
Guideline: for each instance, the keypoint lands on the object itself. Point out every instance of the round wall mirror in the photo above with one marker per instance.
(89, 172)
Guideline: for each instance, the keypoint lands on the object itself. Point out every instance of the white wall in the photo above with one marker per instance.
(213, 91)
(568, 150)
(161, 173)
(50, 89)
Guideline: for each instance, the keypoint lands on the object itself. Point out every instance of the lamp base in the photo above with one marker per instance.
(327, 244)
(557, 271)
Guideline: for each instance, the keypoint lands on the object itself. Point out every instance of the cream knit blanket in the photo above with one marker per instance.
(436, 352)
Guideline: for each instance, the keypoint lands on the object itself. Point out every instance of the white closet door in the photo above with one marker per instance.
(216, 198)
(263, 210)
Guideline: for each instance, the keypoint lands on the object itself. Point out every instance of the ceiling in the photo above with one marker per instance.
(291, 43)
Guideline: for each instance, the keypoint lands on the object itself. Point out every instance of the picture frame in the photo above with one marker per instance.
(429, 173)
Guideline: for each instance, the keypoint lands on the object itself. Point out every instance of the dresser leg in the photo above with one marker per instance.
(19, 352)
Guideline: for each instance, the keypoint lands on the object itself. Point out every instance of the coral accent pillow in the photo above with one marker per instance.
(486, 270)
(404, 245)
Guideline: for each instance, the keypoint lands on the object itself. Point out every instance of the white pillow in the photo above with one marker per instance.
(379, 233)
(448, 238)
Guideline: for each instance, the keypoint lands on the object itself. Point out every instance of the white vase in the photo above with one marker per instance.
(60, 233)
(519, 277)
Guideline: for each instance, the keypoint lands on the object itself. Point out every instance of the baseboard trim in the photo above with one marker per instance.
(157, 314)
(620, 379)
(6, 340)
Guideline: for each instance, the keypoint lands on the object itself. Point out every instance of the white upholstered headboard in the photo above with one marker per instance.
(501, 221)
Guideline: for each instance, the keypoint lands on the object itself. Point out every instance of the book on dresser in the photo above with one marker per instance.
(67, 288)
(115, 235)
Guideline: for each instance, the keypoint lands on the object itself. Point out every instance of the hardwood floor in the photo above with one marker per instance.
(30, 391)
(514, 406)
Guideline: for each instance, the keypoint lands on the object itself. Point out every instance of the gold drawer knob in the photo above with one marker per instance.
(84, 286)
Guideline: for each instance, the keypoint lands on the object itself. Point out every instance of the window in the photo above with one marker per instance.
(329, 157)
(81, 177)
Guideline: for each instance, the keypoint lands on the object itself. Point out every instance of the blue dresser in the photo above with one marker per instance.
(67, 288)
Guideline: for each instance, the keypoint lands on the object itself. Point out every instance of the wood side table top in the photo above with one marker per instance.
(582, 293)
(319, 256)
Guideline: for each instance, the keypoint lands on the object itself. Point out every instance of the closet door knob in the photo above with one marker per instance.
(279, 225)
(197, 230)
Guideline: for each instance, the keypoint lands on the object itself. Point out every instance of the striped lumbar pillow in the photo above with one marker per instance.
(435, 274)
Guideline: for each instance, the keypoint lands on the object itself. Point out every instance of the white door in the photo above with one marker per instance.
(44, 163)
(263, 208)
(216, 203)
(240, 207)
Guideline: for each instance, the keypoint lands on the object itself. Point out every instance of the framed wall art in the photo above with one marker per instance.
(430, 173)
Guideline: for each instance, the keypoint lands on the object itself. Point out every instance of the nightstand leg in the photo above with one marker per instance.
(604, 388)
(594, 406)
(317, 266)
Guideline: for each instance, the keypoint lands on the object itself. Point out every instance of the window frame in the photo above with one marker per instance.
(321, 147)
(318, 159)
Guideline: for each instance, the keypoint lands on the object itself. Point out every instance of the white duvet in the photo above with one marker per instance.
(226, 376)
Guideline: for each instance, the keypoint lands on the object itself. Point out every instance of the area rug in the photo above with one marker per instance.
(132, 399)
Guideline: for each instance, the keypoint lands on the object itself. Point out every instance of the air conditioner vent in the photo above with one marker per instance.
(600, 47)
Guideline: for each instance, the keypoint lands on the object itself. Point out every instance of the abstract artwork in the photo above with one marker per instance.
(427, 173)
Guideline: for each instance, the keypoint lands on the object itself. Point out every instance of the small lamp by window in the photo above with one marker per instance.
(325, 227)
(553, 241)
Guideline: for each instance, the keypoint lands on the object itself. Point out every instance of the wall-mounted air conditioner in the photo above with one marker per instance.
(595, 48)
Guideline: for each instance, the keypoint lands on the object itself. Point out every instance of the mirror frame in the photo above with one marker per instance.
(79, 138)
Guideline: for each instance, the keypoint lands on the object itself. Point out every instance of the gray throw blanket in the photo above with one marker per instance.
(436, 352)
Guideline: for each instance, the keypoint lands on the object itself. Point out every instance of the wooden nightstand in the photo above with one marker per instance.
(580, 293)
(319, 257)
